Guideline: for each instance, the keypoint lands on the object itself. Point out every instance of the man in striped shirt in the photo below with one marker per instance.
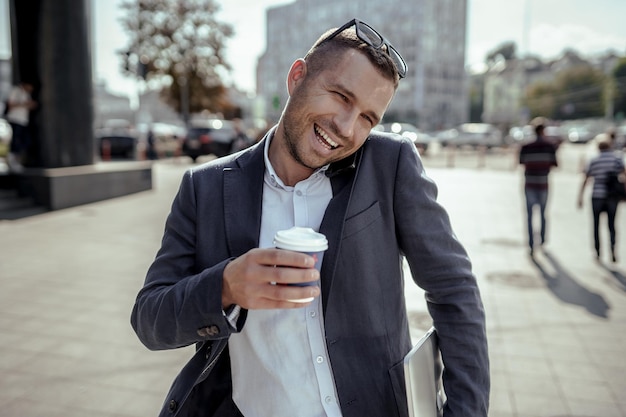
(599, 168)
(538, 158)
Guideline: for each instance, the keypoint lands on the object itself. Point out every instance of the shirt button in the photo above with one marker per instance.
(172, 406)
(299, 193)
(320, 359)
(328, 399)
(313, 314)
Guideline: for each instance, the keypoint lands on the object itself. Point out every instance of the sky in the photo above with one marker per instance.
(540, 27)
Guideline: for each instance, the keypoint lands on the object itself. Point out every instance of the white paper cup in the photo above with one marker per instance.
(305, 240)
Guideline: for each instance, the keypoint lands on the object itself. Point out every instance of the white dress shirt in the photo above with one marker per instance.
(279, 362)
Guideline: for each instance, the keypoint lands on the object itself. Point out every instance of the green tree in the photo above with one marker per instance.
(180, 44)
(581, 90)
(619, 89)
(575, 93)
(541, 100)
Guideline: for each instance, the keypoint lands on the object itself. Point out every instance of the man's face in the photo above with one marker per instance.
(329, 117)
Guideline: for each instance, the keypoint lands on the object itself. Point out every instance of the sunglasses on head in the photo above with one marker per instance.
(370, 36)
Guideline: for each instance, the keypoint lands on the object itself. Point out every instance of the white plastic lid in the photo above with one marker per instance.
(300, 239)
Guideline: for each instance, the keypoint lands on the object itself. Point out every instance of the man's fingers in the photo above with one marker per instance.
(286, 275)
(270, 278)
(273, 296)
(281, 257)
(284, 296)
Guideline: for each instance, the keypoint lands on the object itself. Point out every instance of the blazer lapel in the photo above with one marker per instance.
(343, 175)
(243, 199)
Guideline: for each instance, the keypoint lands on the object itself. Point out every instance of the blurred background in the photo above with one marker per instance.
(125, 86)
(164, 69)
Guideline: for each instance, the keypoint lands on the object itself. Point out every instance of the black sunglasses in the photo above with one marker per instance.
(370, 36)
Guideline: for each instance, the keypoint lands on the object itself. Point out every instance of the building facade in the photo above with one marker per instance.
(506, 84)
(430, 35)
(505, 87)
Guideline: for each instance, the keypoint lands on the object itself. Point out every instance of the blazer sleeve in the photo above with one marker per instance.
(179, 304)
(441, 266)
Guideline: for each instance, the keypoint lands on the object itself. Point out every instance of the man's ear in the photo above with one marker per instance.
(297, 72)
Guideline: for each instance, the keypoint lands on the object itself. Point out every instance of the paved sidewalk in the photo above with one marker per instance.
(68, 280)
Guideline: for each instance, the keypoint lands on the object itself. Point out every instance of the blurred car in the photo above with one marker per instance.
(524, 134)
(209, 136)
(446, 136)
(579, 134)
(472, 134)
(620, 137)
(520, 134)
(166, 138)
(420, 139)
(117, 140)
(5, 137)
(553, 134)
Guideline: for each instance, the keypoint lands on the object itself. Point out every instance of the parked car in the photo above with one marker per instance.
(446, 136)
(523, 134)
(554, 134)
(579, 134)
(420, 139)
(620, 137)
(5, 137)
(473, 134)
(166, 139)
(209, 136)
(520, 135)
(117, 140)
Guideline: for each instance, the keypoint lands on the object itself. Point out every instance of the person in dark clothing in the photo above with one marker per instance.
(151, 152)
(19, 104)
(599, 169)
(538, 158)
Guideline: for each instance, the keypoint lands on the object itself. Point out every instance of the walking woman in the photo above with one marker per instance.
(599, 168)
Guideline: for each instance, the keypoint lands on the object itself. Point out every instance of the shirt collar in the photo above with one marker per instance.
(269, 169)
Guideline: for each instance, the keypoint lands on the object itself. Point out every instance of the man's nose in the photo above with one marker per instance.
(346, 122)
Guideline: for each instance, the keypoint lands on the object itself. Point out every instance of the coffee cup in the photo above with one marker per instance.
(305, 240)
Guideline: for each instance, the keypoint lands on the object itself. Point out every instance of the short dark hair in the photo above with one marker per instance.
(539, 128)
(325, 52)
(604, 141)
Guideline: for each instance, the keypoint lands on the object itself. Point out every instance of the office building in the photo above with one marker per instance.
(430, 35)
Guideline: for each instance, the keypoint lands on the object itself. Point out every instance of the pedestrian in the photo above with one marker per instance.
(602, 201)
(538, 158)
(19, 105)
(218, 282)
(151, 151)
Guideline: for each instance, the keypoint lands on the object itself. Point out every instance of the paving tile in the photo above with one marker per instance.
(533, 405)
(533, 385)
(595, 408)
(575, 389)
(555, 324)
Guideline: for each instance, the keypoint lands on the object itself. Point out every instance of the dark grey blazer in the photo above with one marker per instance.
(383, 208)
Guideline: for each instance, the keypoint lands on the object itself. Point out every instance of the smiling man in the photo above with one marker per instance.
(218, 282)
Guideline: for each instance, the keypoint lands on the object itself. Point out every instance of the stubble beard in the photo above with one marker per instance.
(294, 151)
(292, 135)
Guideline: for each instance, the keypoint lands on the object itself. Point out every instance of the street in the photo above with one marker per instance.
(555, 324)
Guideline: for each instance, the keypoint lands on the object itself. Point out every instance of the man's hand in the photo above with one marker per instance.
(259, 279)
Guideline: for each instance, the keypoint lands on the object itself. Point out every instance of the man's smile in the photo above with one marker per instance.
(324, 139)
